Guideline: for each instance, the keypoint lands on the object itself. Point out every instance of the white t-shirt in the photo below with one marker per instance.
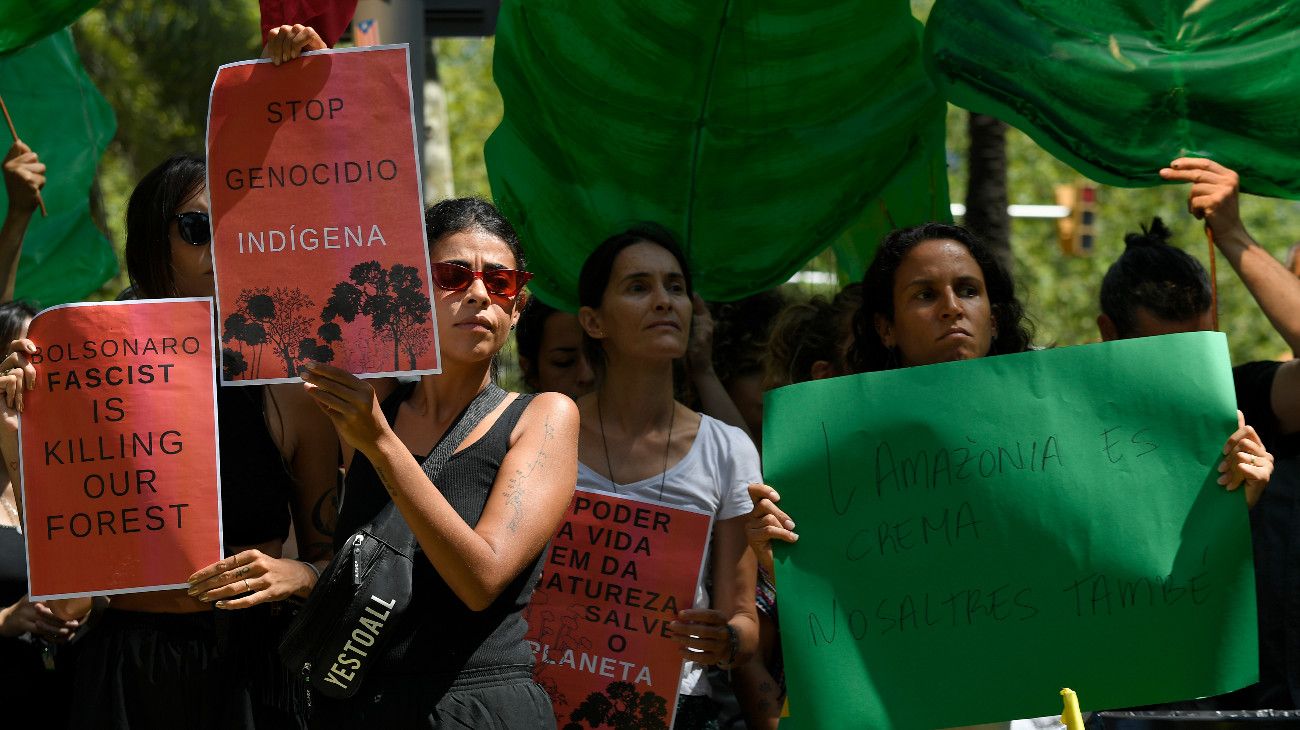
(713, 477)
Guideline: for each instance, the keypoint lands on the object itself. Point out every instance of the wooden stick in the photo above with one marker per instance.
(1214, 281)
(9, 120)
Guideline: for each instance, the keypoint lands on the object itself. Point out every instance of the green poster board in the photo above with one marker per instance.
(975, 536)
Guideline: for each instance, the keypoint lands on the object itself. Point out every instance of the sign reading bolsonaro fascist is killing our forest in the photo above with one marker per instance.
(118, 443)
(317, 220)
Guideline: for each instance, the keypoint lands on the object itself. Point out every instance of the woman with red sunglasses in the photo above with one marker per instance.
(458, 658)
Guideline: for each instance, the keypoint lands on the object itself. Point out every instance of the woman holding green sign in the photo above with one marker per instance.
(935, 293)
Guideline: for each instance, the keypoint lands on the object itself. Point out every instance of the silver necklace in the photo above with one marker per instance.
(609, 466)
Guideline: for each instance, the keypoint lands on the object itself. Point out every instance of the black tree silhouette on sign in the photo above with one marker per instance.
(240, 331)
(281, 319)
(393, 299)
(233, 362)
(621, 707)
(415, 341)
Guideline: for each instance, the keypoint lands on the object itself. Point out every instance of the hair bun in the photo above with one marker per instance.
(1155, 235)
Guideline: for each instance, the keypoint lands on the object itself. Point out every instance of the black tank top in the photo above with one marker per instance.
(439, 634)
(256, 487)
(13, 566)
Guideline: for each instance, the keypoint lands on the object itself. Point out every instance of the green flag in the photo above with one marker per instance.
(974, 536)
(60, 114)
(758, 133)
(25, 21)
(1118, 88)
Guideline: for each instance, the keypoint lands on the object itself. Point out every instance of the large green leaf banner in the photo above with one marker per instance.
(757, 133)
(25, 21)
(60, 114)
(1118, 88)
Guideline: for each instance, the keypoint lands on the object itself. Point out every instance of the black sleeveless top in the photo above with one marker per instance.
(21, 668)
(13, 566)
(439, 634)
(256, 487)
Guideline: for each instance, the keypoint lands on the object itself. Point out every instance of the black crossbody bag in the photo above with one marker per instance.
(349, 617)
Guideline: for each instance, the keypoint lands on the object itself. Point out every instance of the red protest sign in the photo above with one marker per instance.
(616, 574)
(317, 217)
(118, 448)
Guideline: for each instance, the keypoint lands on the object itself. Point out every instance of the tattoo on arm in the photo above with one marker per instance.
(324, 514)
(515, 488)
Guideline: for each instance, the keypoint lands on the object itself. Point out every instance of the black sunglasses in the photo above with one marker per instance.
(195, 227)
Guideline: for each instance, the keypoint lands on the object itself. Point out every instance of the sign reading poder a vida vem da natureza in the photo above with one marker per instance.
(317, 217)
(118, 448)
(617, 572)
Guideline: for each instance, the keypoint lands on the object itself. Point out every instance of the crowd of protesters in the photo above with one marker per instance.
(645, 391)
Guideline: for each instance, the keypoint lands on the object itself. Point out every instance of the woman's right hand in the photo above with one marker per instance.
(26, 617)
(767, 523)
(349, 402)
(17, 372)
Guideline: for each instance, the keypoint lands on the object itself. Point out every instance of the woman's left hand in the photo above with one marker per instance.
(253, 575)
(1246, 461)
(287, 42)
(703, 635)
(349, 402)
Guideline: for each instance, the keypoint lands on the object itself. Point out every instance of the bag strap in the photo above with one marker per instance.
(389, 525)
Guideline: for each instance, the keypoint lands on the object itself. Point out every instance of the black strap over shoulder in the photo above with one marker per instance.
(388, 525)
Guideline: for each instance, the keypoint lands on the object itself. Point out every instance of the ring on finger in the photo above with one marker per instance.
(1252, 460)
(247, 587)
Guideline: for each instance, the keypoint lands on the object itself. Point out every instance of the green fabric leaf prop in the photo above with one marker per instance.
(61, 115)
(758, 133)
(25, 21)
(917, 193)
(1118, 88)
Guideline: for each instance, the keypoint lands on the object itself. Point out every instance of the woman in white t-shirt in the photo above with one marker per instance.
(637, 440)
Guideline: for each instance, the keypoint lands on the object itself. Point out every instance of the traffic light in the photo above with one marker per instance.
(1074, 232)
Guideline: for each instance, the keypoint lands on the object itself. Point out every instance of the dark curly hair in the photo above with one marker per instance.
(1156, 276)
(805, 332)
(869, 354)
(740, 332)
